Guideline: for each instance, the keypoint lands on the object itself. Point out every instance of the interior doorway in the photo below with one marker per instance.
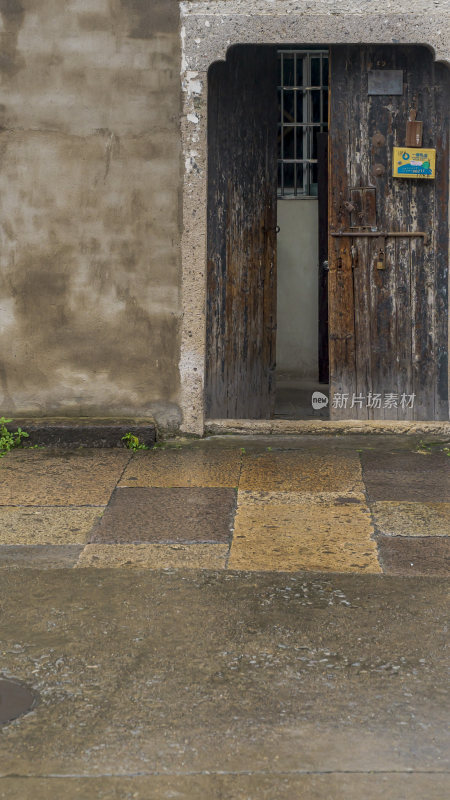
(302, 337)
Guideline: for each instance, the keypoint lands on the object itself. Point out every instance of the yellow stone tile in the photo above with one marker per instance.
(32, 525)
(154, 556)
(263, 497)
(186, 467)
(46, 478)
(289, 532)
(296, 470)
(411, 519)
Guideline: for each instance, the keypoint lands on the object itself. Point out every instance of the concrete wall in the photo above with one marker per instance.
(90, 207)
(297, 289)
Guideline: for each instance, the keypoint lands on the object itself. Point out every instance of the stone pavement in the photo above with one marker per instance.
(340, 504)
(211, 621)
(217, 685)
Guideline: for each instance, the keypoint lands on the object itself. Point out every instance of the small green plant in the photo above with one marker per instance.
(10, 439)
(243, 451)
(132, 442)
(427, 447)
(159, 446)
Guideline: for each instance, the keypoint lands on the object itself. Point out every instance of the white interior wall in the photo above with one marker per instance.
(297, 290)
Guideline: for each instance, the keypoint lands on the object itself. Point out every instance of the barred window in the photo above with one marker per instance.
(303, 112)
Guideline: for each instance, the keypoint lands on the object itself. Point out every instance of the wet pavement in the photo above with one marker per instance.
(229, 619)
(331, 503)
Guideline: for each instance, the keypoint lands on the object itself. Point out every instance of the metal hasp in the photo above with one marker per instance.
(385, 234)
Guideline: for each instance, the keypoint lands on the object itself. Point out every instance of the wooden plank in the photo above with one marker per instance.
(420, 80)
(241, 283)
(441, 211)
(216, 366)
(383, 319)
(322, 192)
(340, 276)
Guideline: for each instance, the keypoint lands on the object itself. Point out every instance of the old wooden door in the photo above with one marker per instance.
(241, 272)
(388, 311)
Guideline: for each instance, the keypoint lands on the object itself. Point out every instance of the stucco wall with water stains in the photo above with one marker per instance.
(90, 207)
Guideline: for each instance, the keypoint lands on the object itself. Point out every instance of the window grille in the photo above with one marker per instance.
(303, 112)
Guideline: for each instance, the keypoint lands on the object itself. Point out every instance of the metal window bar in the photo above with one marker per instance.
(301, 130)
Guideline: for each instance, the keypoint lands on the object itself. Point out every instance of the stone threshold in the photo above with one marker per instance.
(84, 431)
(325, 427)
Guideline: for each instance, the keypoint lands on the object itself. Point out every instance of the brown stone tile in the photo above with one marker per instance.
(167, 515)
(50, 525)
(409, 461)
(296, 471)
(416, 556)
(43, 478)
(411, 519)
(189, 466)
(289, 532)
(155, 556)
(413, 477)
(39, 556)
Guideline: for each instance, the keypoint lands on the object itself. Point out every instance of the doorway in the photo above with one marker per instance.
(302, 339)
(382, 252)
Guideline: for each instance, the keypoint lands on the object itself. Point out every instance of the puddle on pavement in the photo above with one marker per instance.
(15, 700)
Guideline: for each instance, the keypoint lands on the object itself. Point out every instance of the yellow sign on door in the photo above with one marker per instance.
(411, 162)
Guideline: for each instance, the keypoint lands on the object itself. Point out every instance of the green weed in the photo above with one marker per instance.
(10, 439)
(427, 447)
(132, 442)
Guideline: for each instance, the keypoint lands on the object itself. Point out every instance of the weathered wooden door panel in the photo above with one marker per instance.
(241, 273)
(322, 186)
(387, 327)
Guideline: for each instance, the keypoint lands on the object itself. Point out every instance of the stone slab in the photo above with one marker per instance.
(350, 427)
(416, 556)
(188, 466)
(411, 519)
(288, 532)
(254, 786)
(167, 515)
(414, 477)
(155, 556)
(55, 478)
(191, 672)
(412, 463)
(302, 471)
(39, 556)
(33, 525)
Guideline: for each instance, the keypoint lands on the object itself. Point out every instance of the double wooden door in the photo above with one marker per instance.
(387, 286)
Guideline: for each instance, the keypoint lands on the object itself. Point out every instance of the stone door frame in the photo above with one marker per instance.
(207, 31)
